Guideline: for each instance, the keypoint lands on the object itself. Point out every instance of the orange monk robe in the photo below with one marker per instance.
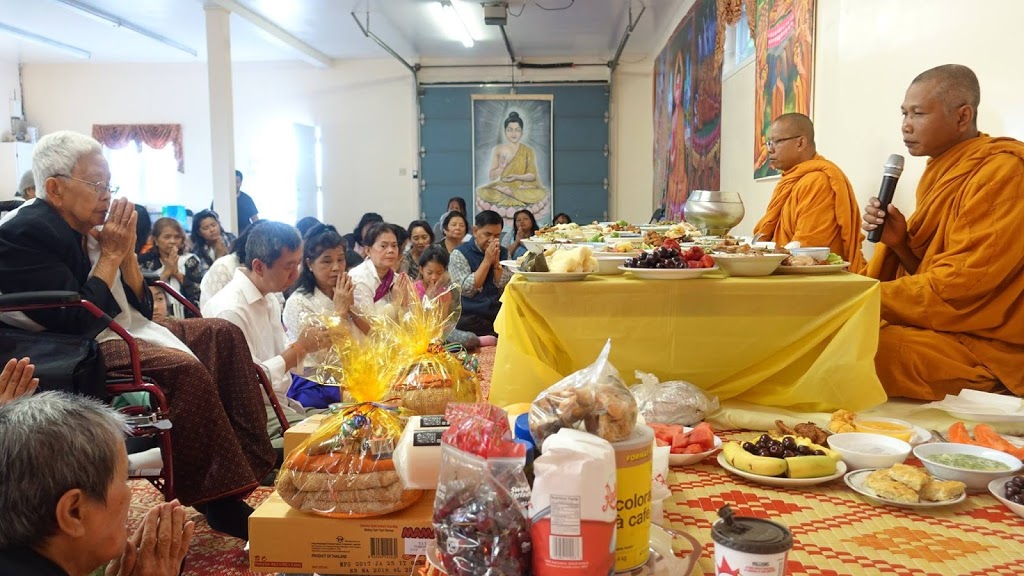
(814, 204)
(958, 322)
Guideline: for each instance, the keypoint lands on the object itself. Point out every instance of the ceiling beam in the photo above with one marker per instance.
(44, 40)
(305, 51)
(118, 22)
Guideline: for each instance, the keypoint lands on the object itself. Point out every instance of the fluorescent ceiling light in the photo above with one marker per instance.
(108, 18)
(455, 24)
(32, 37)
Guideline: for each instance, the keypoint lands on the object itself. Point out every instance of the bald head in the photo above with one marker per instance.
(955, 85)
(798, 124)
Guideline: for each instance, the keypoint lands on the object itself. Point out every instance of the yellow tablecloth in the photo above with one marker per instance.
(805, 343)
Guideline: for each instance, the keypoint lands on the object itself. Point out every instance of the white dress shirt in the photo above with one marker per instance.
(259, 317)
(297, 311)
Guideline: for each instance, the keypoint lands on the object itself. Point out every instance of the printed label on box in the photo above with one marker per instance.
(433, 422)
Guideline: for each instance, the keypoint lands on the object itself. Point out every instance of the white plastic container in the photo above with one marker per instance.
(750, 546)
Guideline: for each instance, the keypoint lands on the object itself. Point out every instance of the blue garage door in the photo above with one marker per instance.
(580, 147)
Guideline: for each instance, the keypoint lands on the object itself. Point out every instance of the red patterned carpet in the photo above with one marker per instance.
(213, 553)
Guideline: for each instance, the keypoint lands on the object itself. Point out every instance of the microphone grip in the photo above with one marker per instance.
(885, 194)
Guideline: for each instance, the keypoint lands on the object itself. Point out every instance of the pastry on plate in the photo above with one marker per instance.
(941, 490)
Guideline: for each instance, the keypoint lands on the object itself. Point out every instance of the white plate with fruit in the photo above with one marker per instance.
(809, 465)
(813, 269)
(680, 438)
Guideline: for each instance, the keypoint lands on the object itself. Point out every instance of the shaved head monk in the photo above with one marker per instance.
(813, 203)
(952, 282)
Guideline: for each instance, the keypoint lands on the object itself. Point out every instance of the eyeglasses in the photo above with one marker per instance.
(100, 187)
(773, 143)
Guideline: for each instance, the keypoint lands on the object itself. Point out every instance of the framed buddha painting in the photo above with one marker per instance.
(512, 145)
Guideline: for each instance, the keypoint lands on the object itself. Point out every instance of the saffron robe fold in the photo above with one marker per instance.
(958, 322)
(814, 204)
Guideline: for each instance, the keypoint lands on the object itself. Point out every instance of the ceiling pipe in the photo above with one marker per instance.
(44, 41)
(508, 44)
(625, 37)
(414, 68)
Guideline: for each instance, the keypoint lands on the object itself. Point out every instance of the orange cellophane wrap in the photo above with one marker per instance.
(345, 468)
(432, 373)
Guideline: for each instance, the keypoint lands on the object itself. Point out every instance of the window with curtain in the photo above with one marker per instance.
(145, 160)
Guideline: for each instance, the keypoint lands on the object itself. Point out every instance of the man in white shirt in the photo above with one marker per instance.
(273, 252)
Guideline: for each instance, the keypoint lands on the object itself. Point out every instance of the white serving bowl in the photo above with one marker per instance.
(748, 265)
(976, 480)
(869, 450)
(998, 489)
(608, 263)
(817, 252)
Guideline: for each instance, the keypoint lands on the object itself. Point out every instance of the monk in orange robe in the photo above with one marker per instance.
(813, 203)
(953, 273)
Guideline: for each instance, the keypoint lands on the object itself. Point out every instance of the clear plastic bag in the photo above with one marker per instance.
(480, 511)
(674, 402)
(593, 399)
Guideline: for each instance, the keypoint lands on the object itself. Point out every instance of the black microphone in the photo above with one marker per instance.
(890, 175)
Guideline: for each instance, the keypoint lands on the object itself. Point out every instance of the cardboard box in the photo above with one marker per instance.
(282, 539)
(298, 433)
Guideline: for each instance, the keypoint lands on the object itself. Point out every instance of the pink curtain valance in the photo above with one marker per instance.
(153, 135)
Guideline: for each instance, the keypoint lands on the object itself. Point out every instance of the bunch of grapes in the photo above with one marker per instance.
(666, 258)
(1015, 490)
(785, 448)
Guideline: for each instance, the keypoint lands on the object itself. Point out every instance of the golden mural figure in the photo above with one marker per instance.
(513, 170)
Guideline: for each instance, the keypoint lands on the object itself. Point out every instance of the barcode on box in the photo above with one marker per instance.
(384, 547)
(563, 548)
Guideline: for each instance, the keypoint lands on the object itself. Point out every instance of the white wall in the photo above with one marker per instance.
(366, 110)
(867, 52)
(8, 89)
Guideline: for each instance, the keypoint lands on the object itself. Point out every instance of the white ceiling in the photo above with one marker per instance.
(587, 29)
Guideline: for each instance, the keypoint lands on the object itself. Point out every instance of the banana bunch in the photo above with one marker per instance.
(790, 456)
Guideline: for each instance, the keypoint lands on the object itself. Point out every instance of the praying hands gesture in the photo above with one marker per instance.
(16, 380)
(344, 295)
(170, 269)
(117, 238)
(402, 290)
(493, 253)
(159, 544)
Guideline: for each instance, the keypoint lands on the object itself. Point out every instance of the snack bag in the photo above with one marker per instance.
(574, 504)
(434, 374)
(675, 402)
(345, 468)
(594, 398)
(480, 512)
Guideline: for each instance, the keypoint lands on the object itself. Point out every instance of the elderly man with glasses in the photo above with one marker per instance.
(813, 203)
(75, 237)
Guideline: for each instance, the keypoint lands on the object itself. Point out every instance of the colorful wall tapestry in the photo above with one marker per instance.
(688, 111)
(512, 164)
(784, 48)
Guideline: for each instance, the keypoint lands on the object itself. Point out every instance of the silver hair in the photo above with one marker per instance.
(51, 443)
(58, 153)
(266, 243)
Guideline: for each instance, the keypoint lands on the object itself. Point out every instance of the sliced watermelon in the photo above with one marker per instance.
(694, 449)
(681, 440)
(704, 436)
(662, 443)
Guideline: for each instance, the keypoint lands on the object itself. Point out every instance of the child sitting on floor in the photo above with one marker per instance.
(435, 283)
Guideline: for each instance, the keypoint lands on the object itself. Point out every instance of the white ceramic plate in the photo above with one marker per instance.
(813, 270)
(779, 481)
(856, 481)
(512, 265)
(658, 229)
(667, 273)
(616, 255)
(985, 417)
(554, 276)
(689, 459)
(998, 487)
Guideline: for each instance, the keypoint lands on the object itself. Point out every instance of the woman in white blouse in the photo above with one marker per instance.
(323, 288)
(378, 288)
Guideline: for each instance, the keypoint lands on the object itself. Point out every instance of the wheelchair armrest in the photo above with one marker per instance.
(55, 298)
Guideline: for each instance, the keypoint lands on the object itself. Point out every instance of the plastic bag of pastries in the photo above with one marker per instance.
(592, 399)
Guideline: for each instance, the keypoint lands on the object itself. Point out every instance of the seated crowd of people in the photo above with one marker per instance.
(951, 317)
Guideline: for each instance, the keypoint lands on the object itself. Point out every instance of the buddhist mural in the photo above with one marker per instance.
(687, 111)
(784, 47)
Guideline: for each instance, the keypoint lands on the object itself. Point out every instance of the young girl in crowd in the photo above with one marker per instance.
(435, 283)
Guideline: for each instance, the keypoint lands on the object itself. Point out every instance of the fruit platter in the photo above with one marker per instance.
(688, 445)
(788, 461)
(670, 263)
